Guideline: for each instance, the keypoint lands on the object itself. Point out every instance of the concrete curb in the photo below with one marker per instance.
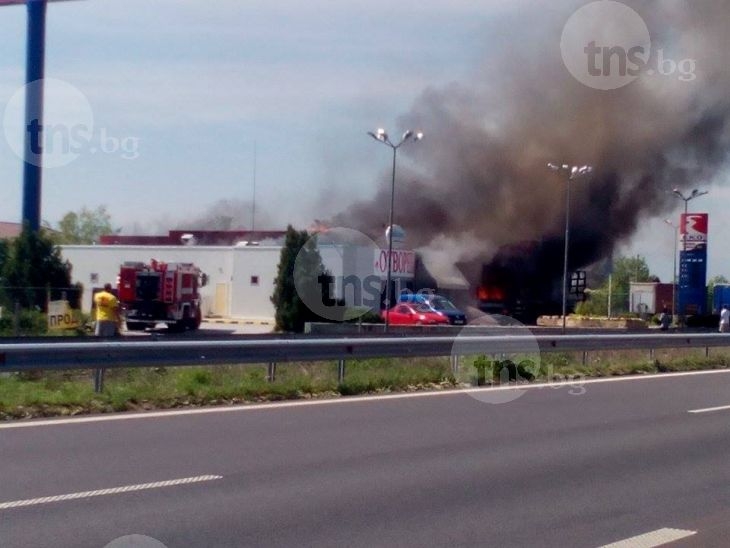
(238, 321)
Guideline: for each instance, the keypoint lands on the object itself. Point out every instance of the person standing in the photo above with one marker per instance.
(107, 312)
(107, 321)
(725, 320)
(665, 320)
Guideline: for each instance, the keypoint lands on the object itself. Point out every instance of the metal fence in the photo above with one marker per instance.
(37, 298)
(91, 353)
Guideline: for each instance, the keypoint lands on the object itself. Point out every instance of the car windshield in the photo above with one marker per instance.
(422, 308)
(439, 303)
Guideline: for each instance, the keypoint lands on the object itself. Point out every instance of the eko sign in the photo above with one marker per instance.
(693, 229)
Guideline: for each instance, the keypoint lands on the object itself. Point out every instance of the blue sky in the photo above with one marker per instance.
(196, 83)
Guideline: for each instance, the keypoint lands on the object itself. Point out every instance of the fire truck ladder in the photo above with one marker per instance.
(168, 287)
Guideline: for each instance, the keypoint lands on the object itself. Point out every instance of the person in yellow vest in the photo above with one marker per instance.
(107, 312)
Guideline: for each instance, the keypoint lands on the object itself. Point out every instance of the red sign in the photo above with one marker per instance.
(403, 263)
(694, 229)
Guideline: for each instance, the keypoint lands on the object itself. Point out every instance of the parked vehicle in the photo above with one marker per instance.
(414, 314)
(161, 293)
(435, 303)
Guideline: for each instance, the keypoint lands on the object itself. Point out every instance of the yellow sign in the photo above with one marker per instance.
(61, 316)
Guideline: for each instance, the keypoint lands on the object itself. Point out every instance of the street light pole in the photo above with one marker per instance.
(389, 275)
(574, 172)
(565, 253)
(695, 194)
(382, 137)
(674, 266)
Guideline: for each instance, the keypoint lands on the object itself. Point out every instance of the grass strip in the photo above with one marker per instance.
(46, 394)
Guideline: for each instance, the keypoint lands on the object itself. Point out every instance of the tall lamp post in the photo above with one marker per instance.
(382, 137)
(573, 173)
(687, 199)
(674, 266)
(694, 194)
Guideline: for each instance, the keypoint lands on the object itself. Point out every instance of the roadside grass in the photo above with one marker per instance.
(385, 374)
(135, 389)
(609, 363)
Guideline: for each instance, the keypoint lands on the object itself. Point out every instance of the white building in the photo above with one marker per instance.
(240, 278)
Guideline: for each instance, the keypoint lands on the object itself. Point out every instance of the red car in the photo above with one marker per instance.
(409, 314)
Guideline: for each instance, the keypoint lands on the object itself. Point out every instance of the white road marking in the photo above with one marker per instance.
(104, 492)
(32, 423)
(710, 409)
(652, 539)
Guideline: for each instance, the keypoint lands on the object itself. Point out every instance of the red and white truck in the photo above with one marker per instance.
(160, 292)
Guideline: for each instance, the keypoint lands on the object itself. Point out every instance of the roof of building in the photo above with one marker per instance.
(10, 230)
(195, 237)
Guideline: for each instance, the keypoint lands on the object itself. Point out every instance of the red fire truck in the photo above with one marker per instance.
(161, 293)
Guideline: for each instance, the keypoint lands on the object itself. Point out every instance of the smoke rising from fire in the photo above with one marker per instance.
(228, 214)
(479, 180)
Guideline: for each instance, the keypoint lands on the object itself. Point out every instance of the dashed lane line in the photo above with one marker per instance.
(103, 492)
(710, 409)
(659, 537)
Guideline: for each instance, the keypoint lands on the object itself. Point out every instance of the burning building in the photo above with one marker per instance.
(479, 180)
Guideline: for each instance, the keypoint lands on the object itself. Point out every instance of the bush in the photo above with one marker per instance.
(30, 322)
(369, 317)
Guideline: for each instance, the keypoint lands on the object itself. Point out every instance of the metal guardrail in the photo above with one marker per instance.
(112, 354)
(377, 330)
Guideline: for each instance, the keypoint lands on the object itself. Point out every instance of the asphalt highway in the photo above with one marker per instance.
(585, 465)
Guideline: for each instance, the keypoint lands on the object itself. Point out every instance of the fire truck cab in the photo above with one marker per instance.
(161, 293)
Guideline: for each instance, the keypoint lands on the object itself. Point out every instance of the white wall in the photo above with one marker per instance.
(216, 261)
(249, 300)
(643, 298)
(362, 263)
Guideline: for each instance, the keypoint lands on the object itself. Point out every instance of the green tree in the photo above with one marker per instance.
(33, 268)
(291, 310)
(4, 250)
(630, 269)
(84, 227)
(625, 271)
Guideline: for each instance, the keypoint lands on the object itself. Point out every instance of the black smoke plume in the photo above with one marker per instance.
(480, 181)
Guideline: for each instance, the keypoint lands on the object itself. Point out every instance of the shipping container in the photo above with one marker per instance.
(651, 297)
(720, 297)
